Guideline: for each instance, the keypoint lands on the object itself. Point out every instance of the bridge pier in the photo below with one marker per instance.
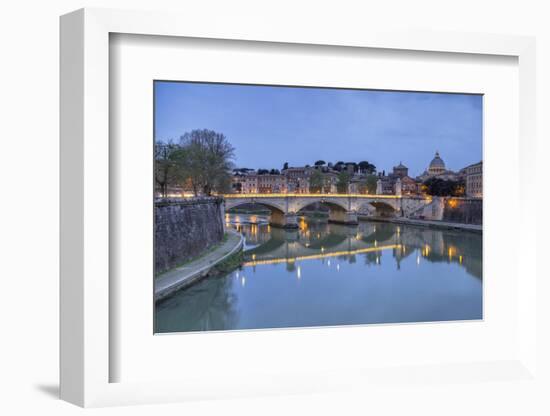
(280, 219)
(343, 217)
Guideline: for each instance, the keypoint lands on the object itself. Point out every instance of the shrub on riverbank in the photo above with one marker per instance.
(228, 265)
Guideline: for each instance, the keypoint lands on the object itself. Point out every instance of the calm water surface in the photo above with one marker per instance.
(327, 274)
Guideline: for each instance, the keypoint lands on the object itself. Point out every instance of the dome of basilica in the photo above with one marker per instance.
(437, 163)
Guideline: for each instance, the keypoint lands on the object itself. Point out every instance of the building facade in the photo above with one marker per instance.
(401, 170)
(297, 179)
(397, 182)
(474, 180)
(245, 183)
(409, 186)
(271, 184)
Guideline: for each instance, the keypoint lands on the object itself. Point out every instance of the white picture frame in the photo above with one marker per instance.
(86, 263)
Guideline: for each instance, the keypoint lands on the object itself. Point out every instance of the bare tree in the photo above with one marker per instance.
(168, 170)
(208, 161)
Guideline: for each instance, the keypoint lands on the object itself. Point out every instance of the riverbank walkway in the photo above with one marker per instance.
(180, 277)
(427, 223)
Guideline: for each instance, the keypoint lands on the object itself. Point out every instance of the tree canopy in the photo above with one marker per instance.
(366, 167)
(442, 187)
(168, 169)
(201, 161)
(208, 161)
(338, 166)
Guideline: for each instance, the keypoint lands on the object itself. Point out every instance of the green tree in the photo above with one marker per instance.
(368, 185)
(354, 166)
(442, 187)
(343, 182)
(316, 182)
(320, 163)
(207, 161)
(366, 167)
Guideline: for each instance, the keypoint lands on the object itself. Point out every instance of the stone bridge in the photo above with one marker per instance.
(343, 209)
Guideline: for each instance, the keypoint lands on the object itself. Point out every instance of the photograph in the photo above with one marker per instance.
(292, 206)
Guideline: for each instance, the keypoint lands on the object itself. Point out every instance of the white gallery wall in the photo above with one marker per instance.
(29, 188)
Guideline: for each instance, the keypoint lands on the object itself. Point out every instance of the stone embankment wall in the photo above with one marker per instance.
(433, 210)
(185, 228)
(449, 209)
(463, 210)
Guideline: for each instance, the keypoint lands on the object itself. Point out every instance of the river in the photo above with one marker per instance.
(328, 274)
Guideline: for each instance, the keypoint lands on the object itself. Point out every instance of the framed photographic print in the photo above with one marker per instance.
(273, 212)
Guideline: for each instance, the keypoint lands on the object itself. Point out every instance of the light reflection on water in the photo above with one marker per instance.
(328, 274)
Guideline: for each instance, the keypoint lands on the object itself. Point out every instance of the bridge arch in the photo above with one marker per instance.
(381, 208)
(279, 216)
(272, 206)
(338, 205)
(339, 211)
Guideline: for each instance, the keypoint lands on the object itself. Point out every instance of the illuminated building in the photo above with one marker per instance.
(437, 169)
(474, 180)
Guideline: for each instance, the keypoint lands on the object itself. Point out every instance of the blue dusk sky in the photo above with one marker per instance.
(272, 125)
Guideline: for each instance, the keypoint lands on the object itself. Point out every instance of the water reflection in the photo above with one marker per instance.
(317, 240)
(328, 274)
